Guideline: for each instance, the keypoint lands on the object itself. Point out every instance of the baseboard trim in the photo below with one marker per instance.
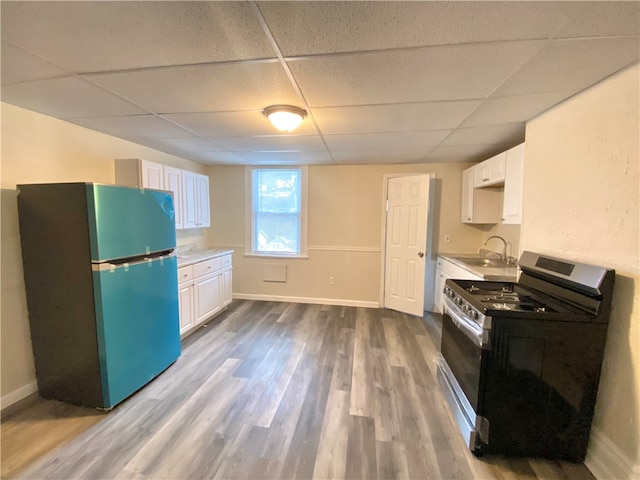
(18, 394)
(321, 301)
(607, 462)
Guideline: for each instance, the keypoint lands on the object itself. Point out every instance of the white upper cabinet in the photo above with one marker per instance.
(479, 205)
(173, 183)
(189, 196)
(491, 171)
(203, 217)
(190, 190)
(513, 186)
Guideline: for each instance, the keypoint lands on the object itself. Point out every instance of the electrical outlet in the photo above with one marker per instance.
(447, 237)
(332, 281)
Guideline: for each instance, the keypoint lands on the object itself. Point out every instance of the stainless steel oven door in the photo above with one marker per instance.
(460, 375)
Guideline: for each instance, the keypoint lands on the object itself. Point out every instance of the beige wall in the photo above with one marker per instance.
(581, 202)
(345, 229)
(36, 149)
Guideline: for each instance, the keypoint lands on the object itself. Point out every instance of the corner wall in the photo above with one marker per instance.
(581, 202)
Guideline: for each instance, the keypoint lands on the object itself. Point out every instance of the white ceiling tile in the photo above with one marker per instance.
(386, 141)
(232, 124)
(204, 88)
(460, 153)
(417, 75)
(19, 65)
(379, 156)
(273, 143)
(180, 145)
(133, 126)
(487, 135)
(571, 65)
(212, 157)
(301, 158)
(393, 118)
(515, 108)
(303, 28)
(101, 36)
(603, 19)
(67, 97)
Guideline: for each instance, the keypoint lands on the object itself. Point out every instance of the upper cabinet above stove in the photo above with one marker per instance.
(492, 190)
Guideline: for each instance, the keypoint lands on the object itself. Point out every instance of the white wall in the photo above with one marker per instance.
(36, 149)
(581, 201)
(345, 227)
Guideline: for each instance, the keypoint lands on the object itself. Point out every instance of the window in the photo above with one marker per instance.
(278, 207)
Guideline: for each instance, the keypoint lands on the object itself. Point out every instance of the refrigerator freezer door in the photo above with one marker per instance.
(127, 222)
(137, 324)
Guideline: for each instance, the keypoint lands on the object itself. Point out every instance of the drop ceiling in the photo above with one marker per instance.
(383, 82)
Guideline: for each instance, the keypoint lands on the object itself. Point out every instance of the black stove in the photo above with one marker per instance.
(520, 361)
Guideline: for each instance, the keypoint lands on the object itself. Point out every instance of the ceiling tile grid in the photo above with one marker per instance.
(383, 82)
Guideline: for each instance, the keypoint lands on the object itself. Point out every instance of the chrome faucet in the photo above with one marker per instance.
(503, 255)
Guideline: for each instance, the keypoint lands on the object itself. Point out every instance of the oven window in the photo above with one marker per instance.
(464, 359)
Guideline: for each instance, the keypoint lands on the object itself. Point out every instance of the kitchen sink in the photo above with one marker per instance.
(483, 262)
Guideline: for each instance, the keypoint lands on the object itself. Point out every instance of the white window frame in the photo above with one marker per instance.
(249, 223)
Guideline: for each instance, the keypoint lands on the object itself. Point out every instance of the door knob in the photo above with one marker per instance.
(421, 254)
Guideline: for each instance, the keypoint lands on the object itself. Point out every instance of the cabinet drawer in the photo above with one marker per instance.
(226, 261)
(185, 274)
(204, 268)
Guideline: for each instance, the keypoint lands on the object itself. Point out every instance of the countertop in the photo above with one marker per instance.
(189, 257)
(506, 273)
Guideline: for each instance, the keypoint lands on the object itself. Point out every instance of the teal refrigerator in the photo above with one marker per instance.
(101, 281)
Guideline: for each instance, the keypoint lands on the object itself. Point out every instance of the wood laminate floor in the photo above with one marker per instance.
(272, 390)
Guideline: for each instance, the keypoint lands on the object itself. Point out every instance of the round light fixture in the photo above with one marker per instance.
(285, 117)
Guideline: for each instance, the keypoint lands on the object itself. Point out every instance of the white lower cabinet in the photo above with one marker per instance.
(208, 296)
(205, 289)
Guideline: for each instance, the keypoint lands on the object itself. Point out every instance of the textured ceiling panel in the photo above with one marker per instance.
(67, 97)
(516, 108)
(384, 82)
(100, 36)
(133, 126)
(395, 141)
(488, 135)
(416, 75)
(393, 118)
(312, 143)
(232, 124)
(18, 65)
(203, 88)
(303, 28)
(572, 65)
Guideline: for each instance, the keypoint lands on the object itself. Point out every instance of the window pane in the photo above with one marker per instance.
(276, 210)
(276, 232)
(277, 191)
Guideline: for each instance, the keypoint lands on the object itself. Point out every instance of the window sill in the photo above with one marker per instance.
(276, 255)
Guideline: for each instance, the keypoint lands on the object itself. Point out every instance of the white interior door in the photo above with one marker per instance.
(406, 243)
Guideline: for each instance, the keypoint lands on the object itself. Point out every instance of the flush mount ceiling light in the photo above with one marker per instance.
(285, 117)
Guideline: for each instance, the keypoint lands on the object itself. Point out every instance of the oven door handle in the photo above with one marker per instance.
(471, 329)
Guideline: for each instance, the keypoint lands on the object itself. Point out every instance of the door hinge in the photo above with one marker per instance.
(386, 208)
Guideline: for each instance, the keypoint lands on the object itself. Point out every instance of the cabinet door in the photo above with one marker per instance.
(467, 195)
(189, 204)
(186, 300)
(491, 171)
(202, 198)
(207, 296)
(151, 175)
(173, 183)
(226, 287)
(513, 185)
(441, 278)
